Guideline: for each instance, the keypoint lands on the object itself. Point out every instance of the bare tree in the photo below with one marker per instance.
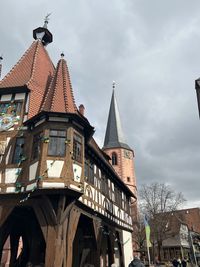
(158, 201)
(139, 233)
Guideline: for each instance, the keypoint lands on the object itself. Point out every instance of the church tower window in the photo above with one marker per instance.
(114, 158)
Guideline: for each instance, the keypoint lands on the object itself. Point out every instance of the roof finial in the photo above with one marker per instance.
(62, 55)
(42, 33)
(1, 58)
(46, 20)
(113, 85)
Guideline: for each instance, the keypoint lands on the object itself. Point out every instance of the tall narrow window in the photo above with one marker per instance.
(57, 143)
(36, 149)
(114, 158)
(77, 147)
(91, 173)
(19, 148)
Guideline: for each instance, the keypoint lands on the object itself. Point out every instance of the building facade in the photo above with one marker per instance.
(182, 235)
(62, 204)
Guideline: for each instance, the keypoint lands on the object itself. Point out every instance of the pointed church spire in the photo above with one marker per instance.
(114, 134)
(59, 96)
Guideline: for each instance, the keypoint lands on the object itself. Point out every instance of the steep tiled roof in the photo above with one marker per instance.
(59, 96)
(33, 70)
(114, 134)
(189, 217)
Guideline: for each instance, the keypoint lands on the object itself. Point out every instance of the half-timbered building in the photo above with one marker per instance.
(62, 203)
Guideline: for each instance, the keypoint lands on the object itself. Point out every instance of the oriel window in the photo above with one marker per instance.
(36, 149)
(77, 147)
(19, 149)
(57, 143)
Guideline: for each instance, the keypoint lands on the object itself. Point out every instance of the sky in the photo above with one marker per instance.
(151, 49)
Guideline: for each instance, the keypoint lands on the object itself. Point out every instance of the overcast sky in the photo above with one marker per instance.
(151, 48)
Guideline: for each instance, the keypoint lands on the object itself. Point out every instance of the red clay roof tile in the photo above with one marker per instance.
(59, 97)
(35, 70)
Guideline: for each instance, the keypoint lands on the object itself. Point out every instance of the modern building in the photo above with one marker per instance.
(62, 204)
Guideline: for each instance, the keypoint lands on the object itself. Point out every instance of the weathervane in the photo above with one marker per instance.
(46, 20)
(114, 84)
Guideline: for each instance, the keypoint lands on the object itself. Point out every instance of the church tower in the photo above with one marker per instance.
(115, 146)
(121, 158)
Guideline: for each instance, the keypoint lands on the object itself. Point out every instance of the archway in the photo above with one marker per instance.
(84, 245)
(106, 252)
(23, 241)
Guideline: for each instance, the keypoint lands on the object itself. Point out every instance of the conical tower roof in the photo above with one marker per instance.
(59, 96)
(114, 137)
(33, 71)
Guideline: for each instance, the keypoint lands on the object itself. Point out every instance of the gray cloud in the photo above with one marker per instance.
(151, 49)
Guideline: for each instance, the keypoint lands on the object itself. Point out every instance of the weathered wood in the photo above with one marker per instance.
(50, 247)
(66, 212)
(62, 217)
(48, 211)
(98, 236)
(41, 219)
(96, 225)
(72, 227)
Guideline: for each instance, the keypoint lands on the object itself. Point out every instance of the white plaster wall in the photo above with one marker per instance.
(127, 247)
(31, 186)
(32, 171)
(75, 187)
(7, 140)
(53, 185)
(10, 189)
(11, 175)
(54, 168)
(95, 169)
(8, 155)
(77, 172)
(93, 192)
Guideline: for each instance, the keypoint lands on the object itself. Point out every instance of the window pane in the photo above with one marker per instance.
(57, 143)
(18, 153)
(37, 140)
(77, 148)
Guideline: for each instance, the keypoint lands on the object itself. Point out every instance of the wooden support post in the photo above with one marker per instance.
(72, 227)
(54, 226)
(98, 236)
(50, 246)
